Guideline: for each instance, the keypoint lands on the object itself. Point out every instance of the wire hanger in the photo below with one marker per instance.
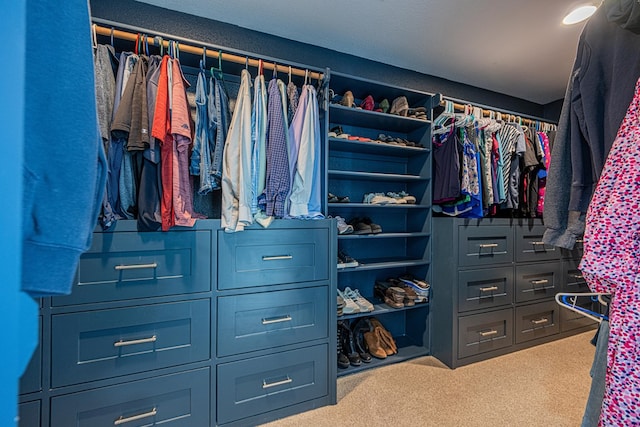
(275, 71)
(306, 77)
(289, 74)
(112, 37)
(94, 36)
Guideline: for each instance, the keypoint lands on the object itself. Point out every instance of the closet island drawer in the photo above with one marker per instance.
(271, 319)
(127, 265)
(262, 384)
(535, 281)
(29, 413)
(100, 344)
(572, 277)
(530, 247)
(537, 321)
(480, 333)
(269, 257)
(180, 400)
(486, 245)
(486, 288)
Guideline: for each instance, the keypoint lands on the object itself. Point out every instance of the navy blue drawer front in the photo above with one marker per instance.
(127, 265)
(262, 384)
(178, 400)
(570, 320)
(536, 321)
(29, 413)
(535, 281)
(99, 344)
(530, 247)
(576, 252)
(271, 257)
(487, 288)
(480, 333)
(30, 381)
(572, 277)
(271, 319)
(485, 245)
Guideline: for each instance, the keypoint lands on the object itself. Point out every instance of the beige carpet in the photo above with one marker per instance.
(542, 386)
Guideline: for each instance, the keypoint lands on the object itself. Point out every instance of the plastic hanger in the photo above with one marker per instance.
(112, 37)
(275, 71)
(137, 47)
(94, 36)
(289, 74)
(217, 73)
(569, 300)
(306, 77)
(203, 61)
(146, 45)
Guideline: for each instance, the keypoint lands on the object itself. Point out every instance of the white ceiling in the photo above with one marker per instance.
(516, 47)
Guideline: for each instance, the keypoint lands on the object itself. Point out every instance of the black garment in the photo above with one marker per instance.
(446, 165)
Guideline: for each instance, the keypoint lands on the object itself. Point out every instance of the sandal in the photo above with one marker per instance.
(367, 103)
(400, 106)
(347, 99)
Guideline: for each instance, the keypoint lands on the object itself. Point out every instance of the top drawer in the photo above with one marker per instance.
(126, 265)
(485, 245)
(530, 247)
(270, 257)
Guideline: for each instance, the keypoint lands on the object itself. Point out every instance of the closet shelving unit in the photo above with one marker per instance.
(355, 168)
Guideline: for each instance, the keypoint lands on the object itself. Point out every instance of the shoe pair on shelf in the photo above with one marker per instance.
(390, 198)
(395, 293)
(345, 260)
(332, 198)
(343, 227)
(420, 287)
(354, 302)
(364, 225)
(351, 346)
(379, 341)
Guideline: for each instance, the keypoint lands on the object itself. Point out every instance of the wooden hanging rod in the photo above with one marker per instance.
(212, 53)
(487, 113)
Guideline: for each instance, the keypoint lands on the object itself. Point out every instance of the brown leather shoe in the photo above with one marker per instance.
(374, 345)
(385, 336)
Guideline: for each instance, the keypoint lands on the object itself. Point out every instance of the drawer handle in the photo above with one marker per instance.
(489, 289)
(265, 384)
(579, 240)
(537, 243)
(488, 245)
(134, 342)
(488, 333)
(276, 257)
(121, 420)
(540, 321)
(578, 276)
(136, 266)
(270, 320)
(539, 281)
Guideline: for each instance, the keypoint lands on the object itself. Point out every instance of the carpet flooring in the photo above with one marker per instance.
(544, 386)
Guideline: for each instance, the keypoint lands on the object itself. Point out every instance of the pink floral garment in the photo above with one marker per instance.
(610, 265)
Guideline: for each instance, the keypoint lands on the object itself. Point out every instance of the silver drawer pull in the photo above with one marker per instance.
(539, 281)
(488, 245)
(488, 333)
(134, 342)
(270, 320)
(121, 420)
(265, 384)
(276, 257)
(537, 243)
(135, 266)
(540, 321)
(489, 289)
(578, 276)
(579, 240)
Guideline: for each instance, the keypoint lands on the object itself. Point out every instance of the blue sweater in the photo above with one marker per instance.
(64, 163)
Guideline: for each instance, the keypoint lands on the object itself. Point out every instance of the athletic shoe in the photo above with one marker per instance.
(362, 302)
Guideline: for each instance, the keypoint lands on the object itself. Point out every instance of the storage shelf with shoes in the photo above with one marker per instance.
(379, 157)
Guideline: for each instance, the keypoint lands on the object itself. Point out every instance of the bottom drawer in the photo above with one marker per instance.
(262, 384)
(29, 413)
(537, 321)
(570, 320)
(171, 400)
(484, 332)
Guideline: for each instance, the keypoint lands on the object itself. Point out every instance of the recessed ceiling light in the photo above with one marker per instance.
(579, 14)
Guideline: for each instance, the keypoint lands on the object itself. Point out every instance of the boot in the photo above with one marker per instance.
(349, 345)
(343, 360)
(358, 330)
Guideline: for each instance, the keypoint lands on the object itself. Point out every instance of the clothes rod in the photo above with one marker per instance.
(229, 57)
(487, 113)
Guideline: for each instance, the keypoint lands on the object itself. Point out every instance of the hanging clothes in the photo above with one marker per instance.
(236, 169)
(292, 93)
(611, 264)
(509, 136)
(218, 109)
(201, 155)
(542, 174)
(446, 167)
(258, 141)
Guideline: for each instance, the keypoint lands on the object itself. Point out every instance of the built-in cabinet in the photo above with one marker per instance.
(357, 168)
(494, 282)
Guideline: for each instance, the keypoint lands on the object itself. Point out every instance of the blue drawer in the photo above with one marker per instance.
(29, 413)
(171, 400)
(271, 319)
(486, 245)
(270, 257)
(127, 265)
(481, 333)
(535, 281)
(30, 381)
(486, 288)
(99, 344)
(530, 247)
(537, 321)
(262, 384)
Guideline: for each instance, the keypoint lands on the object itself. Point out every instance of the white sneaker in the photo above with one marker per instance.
(361, 301)
(350, 305)
(343, 227)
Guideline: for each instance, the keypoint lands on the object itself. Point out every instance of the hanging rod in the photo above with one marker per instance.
(529, 121)
(213, 53)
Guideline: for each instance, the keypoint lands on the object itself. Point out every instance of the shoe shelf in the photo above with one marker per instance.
(355, 168)
(339, 144)
(375, 120)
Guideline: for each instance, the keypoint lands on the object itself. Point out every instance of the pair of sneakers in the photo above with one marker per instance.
(354, 302)
(343, 227)
(345, 260)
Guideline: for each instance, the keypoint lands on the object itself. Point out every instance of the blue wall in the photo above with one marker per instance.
(188, 26)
